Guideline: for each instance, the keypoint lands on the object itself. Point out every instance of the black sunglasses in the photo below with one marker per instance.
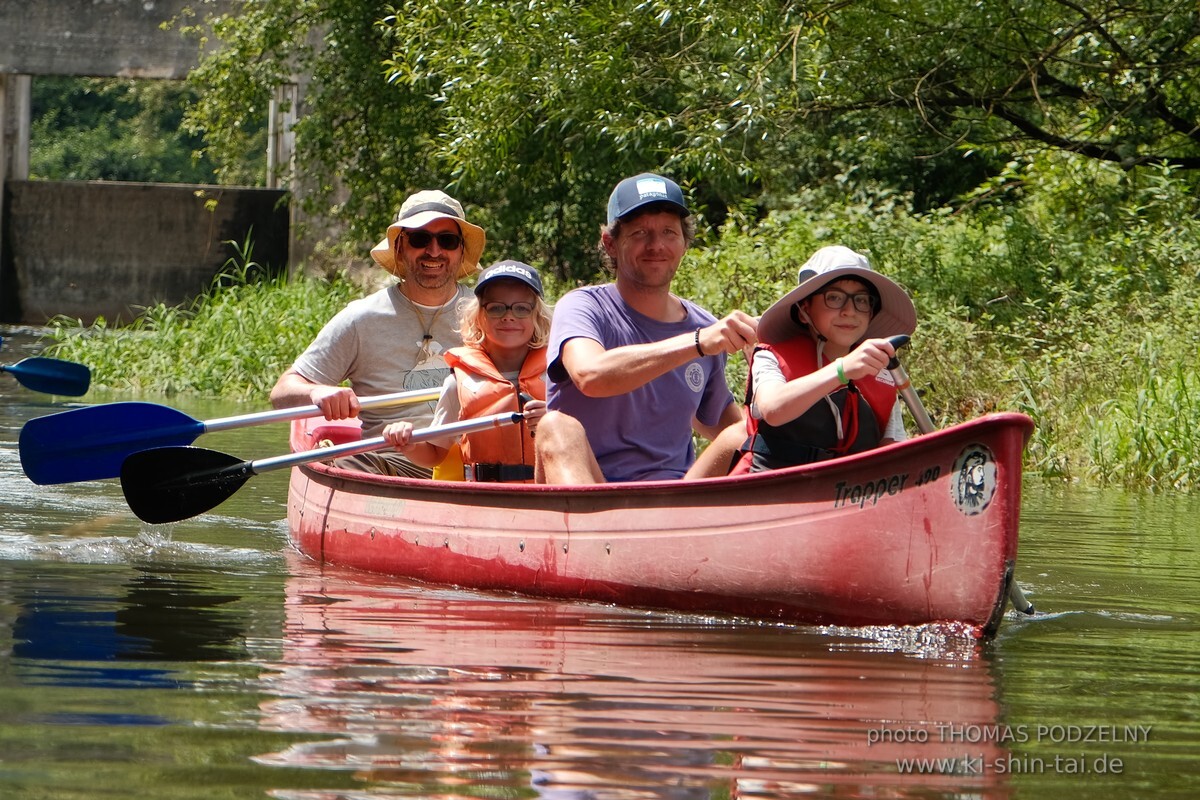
(421, 239)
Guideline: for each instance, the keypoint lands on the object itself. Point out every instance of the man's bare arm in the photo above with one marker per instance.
(335, 402)
(607, 373)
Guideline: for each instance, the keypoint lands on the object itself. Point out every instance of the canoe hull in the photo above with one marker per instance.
(917, 532)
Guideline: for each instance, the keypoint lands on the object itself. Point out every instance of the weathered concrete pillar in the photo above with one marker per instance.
(14, 162)
(98, 249)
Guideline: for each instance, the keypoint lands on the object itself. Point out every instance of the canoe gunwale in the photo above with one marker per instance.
(786, 475)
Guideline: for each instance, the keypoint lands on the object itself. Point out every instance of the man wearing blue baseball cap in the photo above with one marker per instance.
(632, 368)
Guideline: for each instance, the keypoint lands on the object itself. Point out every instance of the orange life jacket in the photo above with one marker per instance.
(865, 407)
(505, 453)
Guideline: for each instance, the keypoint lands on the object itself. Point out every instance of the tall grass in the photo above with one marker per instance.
(1083, 314)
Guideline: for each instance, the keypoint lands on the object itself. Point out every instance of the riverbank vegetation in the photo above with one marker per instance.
(1026, 170)
(1082, 314)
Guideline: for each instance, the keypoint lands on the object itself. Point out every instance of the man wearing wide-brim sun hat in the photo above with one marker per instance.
(417, 212)
(393, 340)
(819, 384)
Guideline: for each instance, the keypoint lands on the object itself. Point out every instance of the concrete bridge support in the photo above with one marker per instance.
(40, 275)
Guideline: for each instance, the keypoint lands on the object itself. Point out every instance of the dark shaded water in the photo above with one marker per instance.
(206, 659)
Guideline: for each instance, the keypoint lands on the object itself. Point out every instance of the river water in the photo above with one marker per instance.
(206, 659)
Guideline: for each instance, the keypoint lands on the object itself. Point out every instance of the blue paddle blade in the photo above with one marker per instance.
(51, 375)
(88, 444)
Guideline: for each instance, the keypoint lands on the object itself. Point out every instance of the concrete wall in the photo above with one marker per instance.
(103, 249)
(100, 38)
(97, 249)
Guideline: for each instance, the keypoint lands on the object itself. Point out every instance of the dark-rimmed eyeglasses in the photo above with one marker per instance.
(498, 310)
(836, 299)
(421, 239)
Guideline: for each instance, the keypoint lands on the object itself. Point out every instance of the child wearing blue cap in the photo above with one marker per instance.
(498, 368)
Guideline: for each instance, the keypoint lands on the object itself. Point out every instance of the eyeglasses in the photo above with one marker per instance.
(421, 239)
(863, 302)
(498, 310)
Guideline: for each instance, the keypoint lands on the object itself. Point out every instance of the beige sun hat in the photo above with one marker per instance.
(896, 313)
(418, 211)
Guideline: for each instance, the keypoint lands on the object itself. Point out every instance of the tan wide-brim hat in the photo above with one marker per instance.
(895, 315)
(418, 211)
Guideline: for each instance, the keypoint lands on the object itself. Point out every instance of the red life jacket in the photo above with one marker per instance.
(865, 407)
(505, 453)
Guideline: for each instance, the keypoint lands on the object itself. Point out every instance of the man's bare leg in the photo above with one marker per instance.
(717, 458)
(563, 453)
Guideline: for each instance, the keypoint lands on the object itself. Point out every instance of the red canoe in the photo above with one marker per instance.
(917, 532)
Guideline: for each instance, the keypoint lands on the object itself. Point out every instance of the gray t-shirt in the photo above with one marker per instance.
(376, 344)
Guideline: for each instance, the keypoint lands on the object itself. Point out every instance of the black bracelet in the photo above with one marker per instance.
(698, 348)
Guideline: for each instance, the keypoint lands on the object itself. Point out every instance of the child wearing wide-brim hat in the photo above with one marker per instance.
(819, 385)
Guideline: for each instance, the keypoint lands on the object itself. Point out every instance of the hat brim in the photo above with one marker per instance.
(474, 239)
(896, 315)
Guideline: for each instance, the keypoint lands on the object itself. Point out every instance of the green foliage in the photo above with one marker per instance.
(234, 341)
(120, 130)
(1082, 316)
(1018, 167)
(1113, 81)
(544, 105)
(530, 111)
(1147, 436)
(363, 144)
(1074, 303)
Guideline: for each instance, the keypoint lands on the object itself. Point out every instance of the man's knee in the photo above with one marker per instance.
(557, 430)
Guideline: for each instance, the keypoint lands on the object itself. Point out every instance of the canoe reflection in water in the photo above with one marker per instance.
(406, 687)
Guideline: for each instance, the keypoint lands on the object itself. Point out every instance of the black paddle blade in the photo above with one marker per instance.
(167, 484)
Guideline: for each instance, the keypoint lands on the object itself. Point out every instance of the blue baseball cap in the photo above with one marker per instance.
(512, 270)
(641, 190)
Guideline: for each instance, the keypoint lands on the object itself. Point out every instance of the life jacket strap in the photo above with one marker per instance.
(497, 473)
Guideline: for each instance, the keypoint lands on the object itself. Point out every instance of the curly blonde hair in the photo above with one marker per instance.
(471, 316)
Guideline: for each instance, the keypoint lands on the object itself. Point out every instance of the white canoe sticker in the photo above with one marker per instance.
(973, 479)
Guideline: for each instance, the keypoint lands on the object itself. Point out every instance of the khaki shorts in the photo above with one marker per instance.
(383, 463)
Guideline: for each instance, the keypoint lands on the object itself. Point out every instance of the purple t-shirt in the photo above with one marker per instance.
(645, 434)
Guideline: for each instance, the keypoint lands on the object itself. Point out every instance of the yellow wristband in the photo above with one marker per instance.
(841, 373)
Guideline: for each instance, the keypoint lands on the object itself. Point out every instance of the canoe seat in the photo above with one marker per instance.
(334, 434)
